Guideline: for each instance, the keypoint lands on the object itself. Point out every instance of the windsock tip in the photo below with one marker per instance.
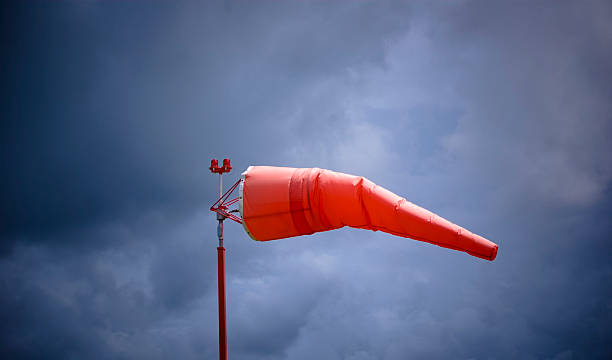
(493, 253)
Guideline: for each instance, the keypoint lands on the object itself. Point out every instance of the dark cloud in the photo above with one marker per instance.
(494, 115)
(116, 109)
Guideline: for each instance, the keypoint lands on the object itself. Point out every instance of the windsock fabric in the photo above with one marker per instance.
(282, 202)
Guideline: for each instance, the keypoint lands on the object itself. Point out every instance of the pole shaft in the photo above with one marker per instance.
(222, 328)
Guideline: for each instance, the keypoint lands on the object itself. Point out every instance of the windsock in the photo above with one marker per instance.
(282, 202)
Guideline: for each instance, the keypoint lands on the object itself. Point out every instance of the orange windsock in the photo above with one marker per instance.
(282, 202)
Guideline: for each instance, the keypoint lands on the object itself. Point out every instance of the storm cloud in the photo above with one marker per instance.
(496, 115)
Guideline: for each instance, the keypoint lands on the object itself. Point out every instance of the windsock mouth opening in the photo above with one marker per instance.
(241, 202)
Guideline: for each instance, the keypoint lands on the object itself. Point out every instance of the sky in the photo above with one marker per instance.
(494, 115)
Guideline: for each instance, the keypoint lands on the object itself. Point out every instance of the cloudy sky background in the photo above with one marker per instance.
(497, 116)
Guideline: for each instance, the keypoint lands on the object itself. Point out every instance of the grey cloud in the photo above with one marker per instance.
(493, 115)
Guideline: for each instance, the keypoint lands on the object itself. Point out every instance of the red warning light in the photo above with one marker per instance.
(215, 168)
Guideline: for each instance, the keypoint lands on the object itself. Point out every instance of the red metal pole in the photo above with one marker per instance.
(222, 329)
(214, 167)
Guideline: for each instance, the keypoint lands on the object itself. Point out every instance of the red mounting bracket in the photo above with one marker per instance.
(222, 205)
